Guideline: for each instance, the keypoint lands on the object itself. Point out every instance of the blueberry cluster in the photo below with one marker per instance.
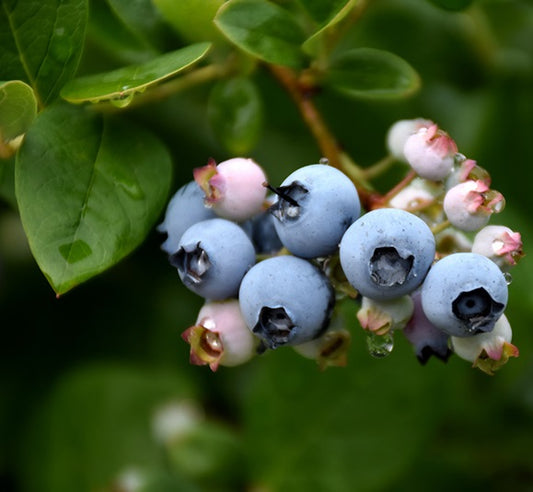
(273, 268)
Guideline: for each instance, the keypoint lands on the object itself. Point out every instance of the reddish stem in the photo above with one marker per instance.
(301, 92)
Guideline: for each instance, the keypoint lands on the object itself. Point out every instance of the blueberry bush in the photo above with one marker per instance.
(263, 245)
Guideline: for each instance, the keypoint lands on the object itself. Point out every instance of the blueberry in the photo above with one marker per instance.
(184, 209)
(387, 253)
(316, 205)
(212, 257)
(464, 294)
(264, 235)
(286, 300)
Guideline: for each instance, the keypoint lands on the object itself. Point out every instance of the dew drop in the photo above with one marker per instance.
(379, 346)
(123, 100)
(508, 278)
(459, 158)
(324, 160)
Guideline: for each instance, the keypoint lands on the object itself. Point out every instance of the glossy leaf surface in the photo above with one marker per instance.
(41, 42)
(327, 15)
(120, 85)
(192, 19)
(372, 73)
(18, 108)
(263, 30)
(236, 114)
(88, 192)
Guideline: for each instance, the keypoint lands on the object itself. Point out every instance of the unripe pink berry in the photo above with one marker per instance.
(220, 336)
(430, 152)
(469, 205)
(488, 351)
(418, 195)
(329, 349)
(233, 188)
(500, 244)
(467, 170)
(381, 317)
(400, 131)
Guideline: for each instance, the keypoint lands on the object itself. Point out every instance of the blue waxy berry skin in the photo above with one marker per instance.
(387, 253)
(286, 300)
(264, 235)
(464, 294)
(185, 208)
(212, 257)
(316, 205)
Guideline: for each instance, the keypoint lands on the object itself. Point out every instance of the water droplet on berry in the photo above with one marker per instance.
(213, 340)
(379, 346)
(324, 160)
(508, 278)
(459, 158)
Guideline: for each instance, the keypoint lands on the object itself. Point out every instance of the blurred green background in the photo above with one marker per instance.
(84, 375)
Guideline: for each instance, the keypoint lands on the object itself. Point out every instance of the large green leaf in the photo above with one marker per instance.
(89, 189)
(18, 108)
(372, 73)
(41, 42)
(120, 85)
(264, 30)
(192, 19)
(235, 113)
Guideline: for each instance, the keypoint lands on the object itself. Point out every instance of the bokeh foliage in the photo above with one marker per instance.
(82, 375)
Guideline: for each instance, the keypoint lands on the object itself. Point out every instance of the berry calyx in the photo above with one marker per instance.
(233, 188)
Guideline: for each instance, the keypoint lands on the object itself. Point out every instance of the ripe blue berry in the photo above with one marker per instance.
(316, 205)
(286, 300)
(185, 208)
(212, 257)
(264, 235)
(464, 294)
(387, 253)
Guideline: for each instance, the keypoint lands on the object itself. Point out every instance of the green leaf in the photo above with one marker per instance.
(324, 11)
(327, 15)
(453, 5)
(18, 108)
(263, 30)
(89, 189)
(235, 112)
(372, 73)
(192, 19)
(41, 42)
(107, 31)
(120, 85)
(142, 19)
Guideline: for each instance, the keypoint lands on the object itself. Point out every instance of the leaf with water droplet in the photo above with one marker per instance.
(88, 192)
(121, 84)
